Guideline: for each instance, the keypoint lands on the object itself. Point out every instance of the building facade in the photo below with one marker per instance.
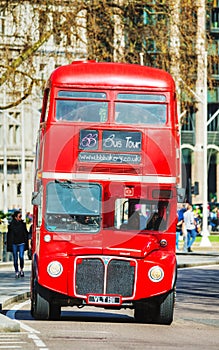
(193, 128)
(19, 124)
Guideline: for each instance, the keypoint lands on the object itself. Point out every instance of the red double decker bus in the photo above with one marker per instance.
(105, 196)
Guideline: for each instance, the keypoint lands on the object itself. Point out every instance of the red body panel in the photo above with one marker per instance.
(58, 159)
(61, 151)
(83, 74)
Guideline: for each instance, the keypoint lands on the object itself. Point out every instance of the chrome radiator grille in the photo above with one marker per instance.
(105, 276)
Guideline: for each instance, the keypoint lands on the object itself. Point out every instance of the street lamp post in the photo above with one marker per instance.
(205, 242)
(5, 168)
(23, 170)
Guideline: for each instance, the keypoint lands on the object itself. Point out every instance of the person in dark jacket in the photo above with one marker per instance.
(17, 238)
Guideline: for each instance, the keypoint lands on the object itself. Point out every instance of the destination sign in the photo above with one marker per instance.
(117, 141)
(110, 147)
(88, 139)
(128, 141)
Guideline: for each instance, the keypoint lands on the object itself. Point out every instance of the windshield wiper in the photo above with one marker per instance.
(70, 184)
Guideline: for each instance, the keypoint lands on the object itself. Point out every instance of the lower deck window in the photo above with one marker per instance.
(133, 214)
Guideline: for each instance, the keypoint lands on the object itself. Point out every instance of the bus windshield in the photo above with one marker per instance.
(73, 207)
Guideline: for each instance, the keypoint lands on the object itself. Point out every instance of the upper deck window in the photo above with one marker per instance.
(142, 97)
(81, 106)
(141, 109)
(82, 94)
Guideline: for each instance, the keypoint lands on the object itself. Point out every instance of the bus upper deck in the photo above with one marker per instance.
(113, 120)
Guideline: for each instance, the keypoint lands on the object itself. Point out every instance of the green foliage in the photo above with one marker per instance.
(3, 215)
(107, 30)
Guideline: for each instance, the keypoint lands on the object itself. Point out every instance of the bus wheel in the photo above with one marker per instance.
(54, 312)
(165, 309)
(40, 307)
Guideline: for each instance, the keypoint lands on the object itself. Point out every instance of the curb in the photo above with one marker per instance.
(8, 325)
(15, 298)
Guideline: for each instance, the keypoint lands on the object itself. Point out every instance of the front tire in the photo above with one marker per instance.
(166, 308)
(158, 310)
(41, 309)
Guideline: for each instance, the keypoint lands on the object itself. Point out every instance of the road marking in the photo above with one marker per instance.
(11, 341)
(11, 347)
(32, 333)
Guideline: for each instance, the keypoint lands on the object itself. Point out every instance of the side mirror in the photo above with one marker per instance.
(181, 192)
(36, 198)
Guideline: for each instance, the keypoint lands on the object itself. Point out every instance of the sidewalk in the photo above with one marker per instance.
(12, 289)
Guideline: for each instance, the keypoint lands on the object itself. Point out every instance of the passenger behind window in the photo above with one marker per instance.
(133, 223)
(154, 222)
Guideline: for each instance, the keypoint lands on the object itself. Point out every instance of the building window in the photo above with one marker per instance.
(2, 23)
(188, 120)
(1, 136)
(14, 129)
(212, 109)
(19, 188)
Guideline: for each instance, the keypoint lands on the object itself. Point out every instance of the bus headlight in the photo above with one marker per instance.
(54, 269)
(156, 274)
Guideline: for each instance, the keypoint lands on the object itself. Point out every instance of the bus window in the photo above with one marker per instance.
(45, 109)
(145, 111)
(82, 94)
(70, 108)
(84, 111)
(140, 113)
(148, 215)
(73, 207)
(142, 97)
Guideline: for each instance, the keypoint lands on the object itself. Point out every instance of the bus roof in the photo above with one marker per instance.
(92, 74)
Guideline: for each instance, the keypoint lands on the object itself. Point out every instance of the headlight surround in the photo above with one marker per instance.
(156, 274)
(55, 269)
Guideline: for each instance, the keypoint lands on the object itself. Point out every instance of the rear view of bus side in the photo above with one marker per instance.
(105, 196)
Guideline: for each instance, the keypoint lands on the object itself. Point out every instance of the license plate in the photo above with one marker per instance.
(104, 299)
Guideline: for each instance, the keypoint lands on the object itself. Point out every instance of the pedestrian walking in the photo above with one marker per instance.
(17, 239)
(29, 251)
(190, 226)
(180, 227)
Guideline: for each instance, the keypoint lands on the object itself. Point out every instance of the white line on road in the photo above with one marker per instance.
(32, 333)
